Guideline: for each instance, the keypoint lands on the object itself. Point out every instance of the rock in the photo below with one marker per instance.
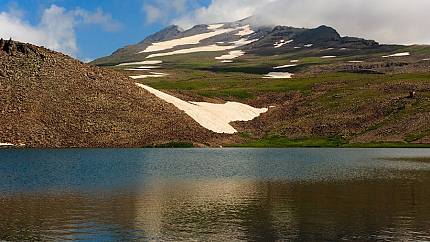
(320, 35)
(10, 47)
(23, 48)
(91, 75)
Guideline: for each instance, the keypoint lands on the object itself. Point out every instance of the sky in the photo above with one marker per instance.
(85, 29)
(88, 29)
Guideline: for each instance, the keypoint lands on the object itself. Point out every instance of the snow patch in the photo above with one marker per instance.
(243, 42)
(215, 26)
(397, 55)
(428, 59)
(151, 74)
(214, 117)
(216, 29)
(6, 144)
(282, 43)
(208, 48)
(355, 61)
(231, 55)
(278, 45)
(152, 62)
(190, 40)
(143, 68)
(284, 66)
(278, 75)
(226, 61)
(294, 61)
(245, 30)
(328, 56)
(309, 45)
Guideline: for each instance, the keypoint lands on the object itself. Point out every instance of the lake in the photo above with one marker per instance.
(215, 194)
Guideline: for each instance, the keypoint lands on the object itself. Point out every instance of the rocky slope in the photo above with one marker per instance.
(48, 99)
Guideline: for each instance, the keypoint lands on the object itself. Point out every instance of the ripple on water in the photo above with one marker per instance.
(292, 194)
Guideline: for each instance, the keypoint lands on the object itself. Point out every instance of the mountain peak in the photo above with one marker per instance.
(169, 32)
(245, 34)
(320, 34)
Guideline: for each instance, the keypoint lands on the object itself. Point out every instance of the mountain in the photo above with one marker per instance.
(305, 87)
(323, 36)
(51, 100)
(240, 35)
(167, 33)
(222, 84)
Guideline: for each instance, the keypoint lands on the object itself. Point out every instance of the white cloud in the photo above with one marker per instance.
(387, 21)
(56, 29)
(163, 10)
(12, 26)
(153, 13)
(59, 28)
(98, 17)
(221, 11)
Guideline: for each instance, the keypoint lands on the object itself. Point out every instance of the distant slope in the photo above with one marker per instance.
(124, 53)
(223, 36)
(283, 39)
(240, 35)
(320, 88)
(48, 99)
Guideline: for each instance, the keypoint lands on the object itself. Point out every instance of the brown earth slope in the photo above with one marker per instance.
(48, 99)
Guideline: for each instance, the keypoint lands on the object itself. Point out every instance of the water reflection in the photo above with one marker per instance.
(225, 209)
(233, 194)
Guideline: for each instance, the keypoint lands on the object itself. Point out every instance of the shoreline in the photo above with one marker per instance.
(179, 145)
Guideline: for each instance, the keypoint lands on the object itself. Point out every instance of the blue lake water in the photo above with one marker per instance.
(215, 194)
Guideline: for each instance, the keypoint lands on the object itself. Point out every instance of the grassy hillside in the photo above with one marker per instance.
(328, 102)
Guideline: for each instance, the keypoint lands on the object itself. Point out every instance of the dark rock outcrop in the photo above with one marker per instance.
(318, 36)
(9, 46)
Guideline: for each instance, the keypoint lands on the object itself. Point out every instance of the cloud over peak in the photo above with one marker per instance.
(164, 10)
(387, 21)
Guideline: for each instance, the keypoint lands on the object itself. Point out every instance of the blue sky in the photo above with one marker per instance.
(129, 18)
(88, 29)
